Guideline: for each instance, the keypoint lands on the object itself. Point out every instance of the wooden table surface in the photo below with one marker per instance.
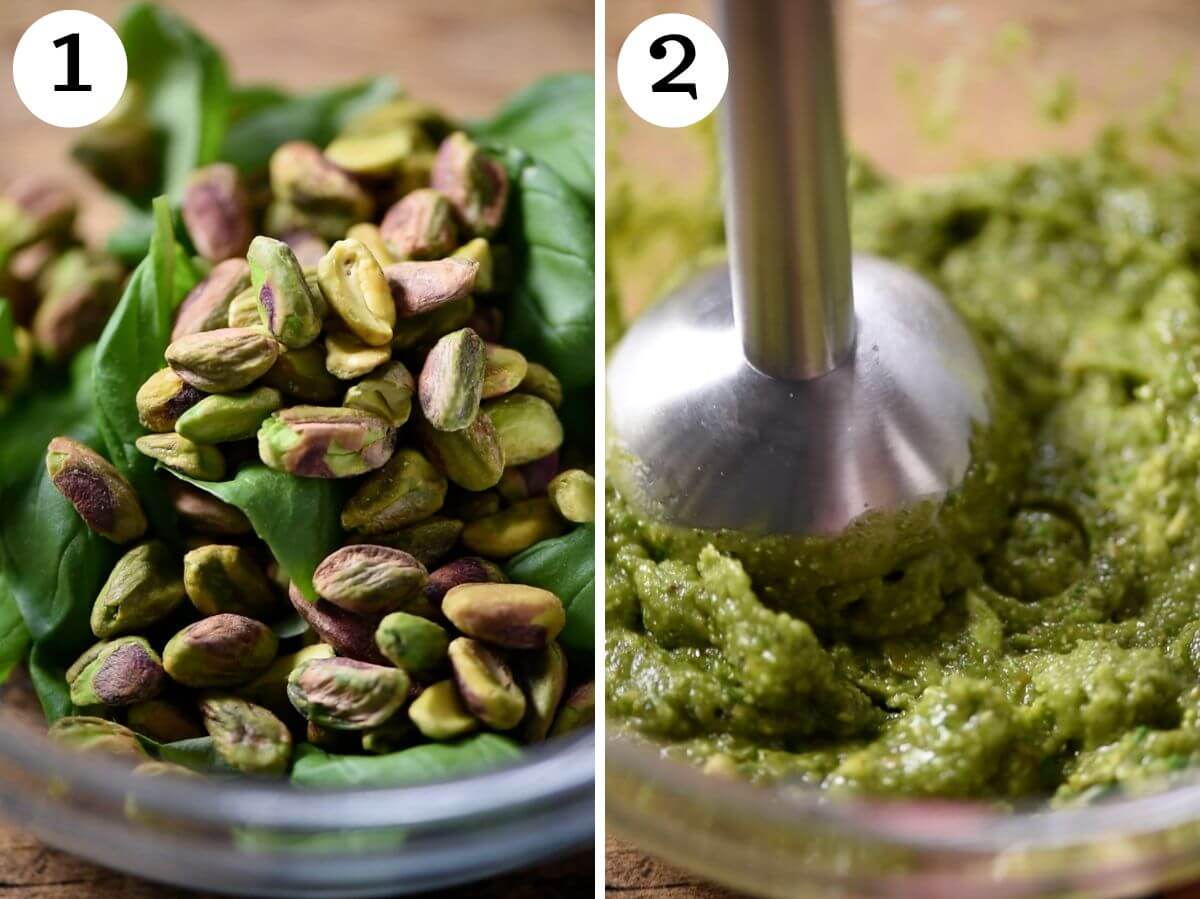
(462, 54)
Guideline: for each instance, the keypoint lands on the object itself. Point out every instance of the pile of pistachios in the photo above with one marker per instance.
(60, 293)
(354, 339)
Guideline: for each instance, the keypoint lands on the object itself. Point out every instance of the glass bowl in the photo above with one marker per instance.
(928, 86)
(260, 838)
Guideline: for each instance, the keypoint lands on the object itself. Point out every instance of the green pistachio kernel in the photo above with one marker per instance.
(204, 463)
(353, 283)
(285, 303)
(221, 578)
(143, 588)
(406, 490)
(223, 418)
(103, 498)
(388, 394)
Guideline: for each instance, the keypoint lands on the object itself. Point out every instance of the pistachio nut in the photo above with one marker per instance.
(116, 673)
(162, 721)
(163, 398)
(353, 283)
(325, 442)
(515, 616)
(346, 694)
(33, 209)
(471, 506)
(143, 588)
(505, 369)
(412, 332)
(544, 677)
(538, 474)
(411, 642)
(429, 540)
(247, 736)
(207, 305)
(369, 580)
(474, 183)
(406, 490)
(269, 689)
(398, 733)
(539, 381)
(349, 359)
(302, 375)
(439, 713)
(283, 218)
(309, 247)
(203, 512)
(83, 733)
(486, 684)
(227, 417)
(155, 769)
(399, 112)
(302, 176)
(220, 651)
(103, 498)
(379, 154)
(479, 251)
(369, 236)
(526, 425)
(204, 463)
(216, 211)
(350, 635)
(286, 306)
(451, 380)
(227, 579)
(243, 310)
(511, 530)
(577, 710)
(420, 226)
(467, 570)
(471, 458)
(387, 394)
(420, 287)
(512, 487)
(573, 495)
(225, 360)
(82, 292)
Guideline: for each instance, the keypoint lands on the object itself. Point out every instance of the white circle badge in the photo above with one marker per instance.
(672, 70)
(70, 68)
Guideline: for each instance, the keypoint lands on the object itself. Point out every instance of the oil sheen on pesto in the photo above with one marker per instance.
(1043, 638)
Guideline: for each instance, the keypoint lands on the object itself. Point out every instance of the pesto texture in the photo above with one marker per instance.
(1043, 636)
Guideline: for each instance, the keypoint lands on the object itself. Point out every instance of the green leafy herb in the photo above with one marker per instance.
(314, 767)
(260, 840)
(197, 753)
(131, 350)
(8, 336)
(186, 87)
(54, 567)
(14, 635)
(552, 314)
(276, 119)
(566, 566)
(299, 518)
(553, 121)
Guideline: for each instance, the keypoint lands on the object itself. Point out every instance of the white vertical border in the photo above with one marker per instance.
(601, 322)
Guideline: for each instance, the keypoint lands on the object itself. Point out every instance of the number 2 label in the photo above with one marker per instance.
(672, 70)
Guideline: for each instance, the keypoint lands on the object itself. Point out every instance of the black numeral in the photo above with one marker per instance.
(71, 42)
(658, 50)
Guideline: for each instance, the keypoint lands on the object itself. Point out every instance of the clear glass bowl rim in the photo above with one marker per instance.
(546, 774)
(967, 827)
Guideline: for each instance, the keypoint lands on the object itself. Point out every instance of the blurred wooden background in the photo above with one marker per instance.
(465, 55)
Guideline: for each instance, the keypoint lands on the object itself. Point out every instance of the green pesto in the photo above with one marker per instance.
(1044, 637)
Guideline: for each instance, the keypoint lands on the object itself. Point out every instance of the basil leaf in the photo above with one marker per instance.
(313, 767)
(246, 100)
(316, 118)
(186, 88)
(8, 335)
(550, 230)
(553, 121)
(14, 635)
(197, 753)
(54, 567)
(566, 566)
(299, 518)
(131, 350)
